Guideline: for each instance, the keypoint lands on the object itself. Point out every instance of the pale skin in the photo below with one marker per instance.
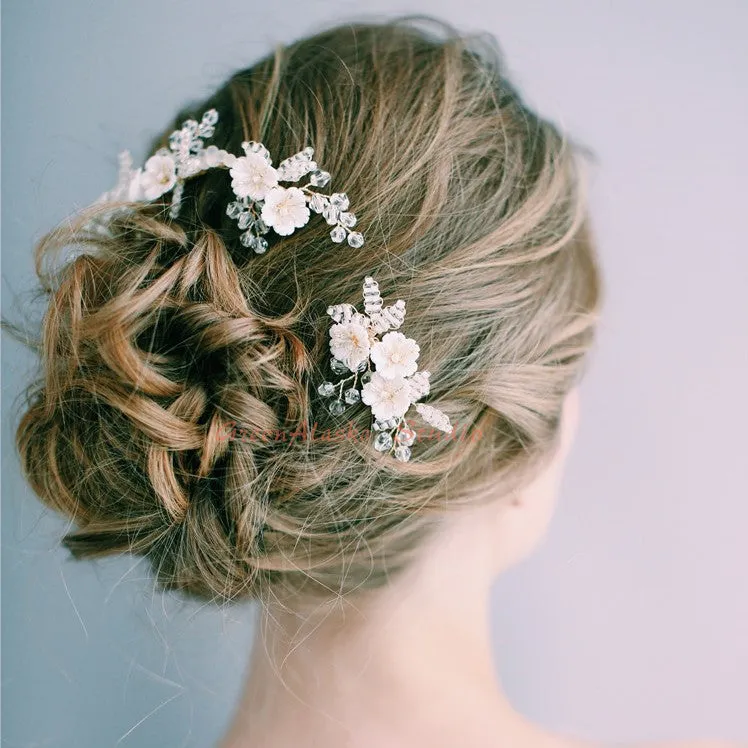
(411, 665)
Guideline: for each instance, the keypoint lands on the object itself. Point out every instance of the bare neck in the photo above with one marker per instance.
(410, 665)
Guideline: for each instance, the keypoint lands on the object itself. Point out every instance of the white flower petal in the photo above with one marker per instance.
(395, 355)
(159, 175)
(349, 342)
(285, 210)
(388, 398)
(134, 189)
(252, 177)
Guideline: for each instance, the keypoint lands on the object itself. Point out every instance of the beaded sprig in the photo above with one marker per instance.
(261, 202)
(359, 342)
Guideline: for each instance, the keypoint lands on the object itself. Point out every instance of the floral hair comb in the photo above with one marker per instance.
(261, 203)
(393, 385)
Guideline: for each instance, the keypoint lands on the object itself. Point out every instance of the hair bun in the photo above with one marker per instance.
(162, 359)
(172, 333)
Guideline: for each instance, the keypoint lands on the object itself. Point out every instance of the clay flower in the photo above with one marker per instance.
(159, 175)
(285, 210)
(393, 385)
(253, 177)
(395, 355)
(349, 342)
(387, 397)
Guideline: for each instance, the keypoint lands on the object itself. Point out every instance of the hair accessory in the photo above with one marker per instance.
(261, 202)
(393, 385)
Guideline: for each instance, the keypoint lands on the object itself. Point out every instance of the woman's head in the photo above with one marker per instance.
(168, 347)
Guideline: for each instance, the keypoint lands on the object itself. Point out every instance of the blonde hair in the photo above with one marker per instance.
(164, 340)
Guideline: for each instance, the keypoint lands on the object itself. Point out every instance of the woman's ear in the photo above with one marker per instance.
(521, 522)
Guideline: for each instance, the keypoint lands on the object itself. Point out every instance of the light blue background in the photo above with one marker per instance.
(631, 621)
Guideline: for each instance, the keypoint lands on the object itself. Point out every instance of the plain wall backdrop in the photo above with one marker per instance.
(631, 621)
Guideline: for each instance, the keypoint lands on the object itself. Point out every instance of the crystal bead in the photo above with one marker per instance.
(245, 219)
(326, 389)
(212, 155)
(207, 131)
(233, 210)
(210, 117)
(189, 167)
(308, 151)
(318, 203)
(402, 453)
(247, 239)
(356, 239)
(405, 436)
(253, 147)
(336, 407)
(384, 424)
(362, 366)
(352, 396)
(366, 377)
(176, 199)
(337, 234)
(260, 245)
(289, 172)
(338, 366)
(419, 385)
(348, 219)
(341, 312)
(261, 226)
(395, 314)
(330, 214)
(383, 441)
(319, 178)
(339, 200)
